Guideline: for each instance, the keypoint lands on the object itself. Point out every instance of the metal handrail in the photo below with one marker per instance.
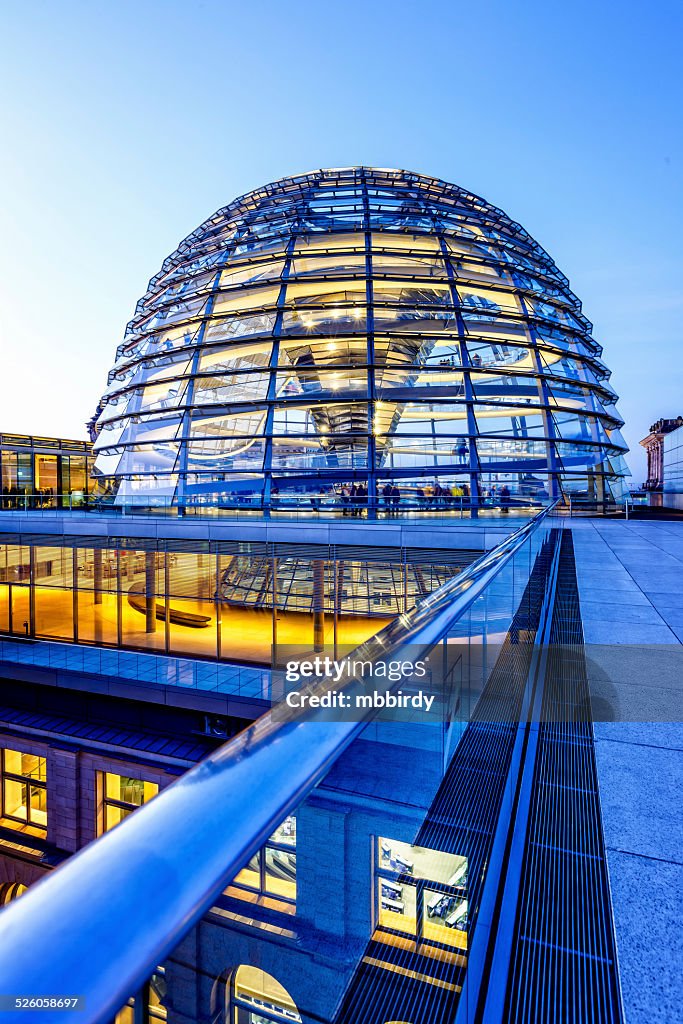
(133, 894)
(323, 507)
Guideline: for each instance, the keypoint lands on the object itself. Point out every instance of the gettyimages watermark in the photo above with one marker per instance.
(351, 670)
(344, 685)
(457, 681)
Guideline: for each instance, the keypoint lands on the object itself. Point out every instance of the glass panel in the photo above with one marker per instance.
(420, 862)
(280, 873)
(285, 834)
(114, 815)
(445, 918)
(28, 765)
(15, 799)
(245, 298)
(397, 906)
(251, 875)
(38, 805)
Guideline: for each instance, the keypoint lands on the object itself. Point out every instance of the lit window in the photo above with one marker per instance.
(421, 893)
(152, 996)
(11, 891)
(157, 995)
(272, 871)
(121, 796)
(24, 793)
(257, 998)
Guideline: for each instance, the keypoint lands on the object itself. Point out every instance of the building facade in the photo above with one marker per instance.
(664, 447)
(356, 336)
(44, 472)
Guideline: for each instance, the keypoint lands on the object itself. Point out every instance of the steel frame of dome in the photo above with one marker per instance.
(357, 325)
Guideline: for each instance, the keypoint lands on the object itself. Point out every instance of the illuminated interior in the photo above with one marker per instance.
(209, 604)
(357, 329)
(257, 998)
(44, 472)
(421, 894)
(24, 792)
(271, 873)
(120, 796)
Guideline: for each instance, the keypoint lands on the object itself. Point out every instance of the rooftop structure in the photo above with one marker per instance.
(357, 337)
(44, 472)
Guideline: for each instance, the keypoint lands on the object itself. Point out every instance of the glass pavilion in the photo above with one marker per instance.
(358, 331)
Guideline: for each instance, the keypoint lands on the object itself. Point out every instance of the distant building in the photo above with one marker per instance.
(664, 447)
(44, 472)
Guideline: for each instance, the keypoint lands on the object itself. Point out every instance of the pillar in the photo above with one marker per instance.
(318, 604)
(150, 596)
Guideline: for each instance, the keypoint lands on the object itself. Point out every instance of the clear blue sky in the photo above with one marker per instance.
(124, 125)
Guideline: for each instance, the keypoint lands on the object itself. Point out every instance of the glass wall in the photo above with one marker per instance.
(44, 472)
(119, 796)
(231, 600)
(354, 339)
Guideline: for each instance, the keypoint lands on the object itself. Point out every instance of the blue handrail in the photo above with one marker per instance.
(98, 926)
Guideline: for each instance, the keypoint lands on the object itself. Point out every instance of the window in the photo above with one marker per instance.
(11, 891)
(24, 794)
(257, 998)
(421, 893)
(149, 1002)
(157, 995)
(121, 796)
(272, 871)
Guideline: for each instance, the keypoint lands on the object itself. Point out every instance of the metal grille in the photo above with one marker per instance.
(564, 952)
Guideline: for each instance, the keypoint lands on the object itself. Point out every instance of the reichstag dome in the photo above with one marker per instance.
(358, 331)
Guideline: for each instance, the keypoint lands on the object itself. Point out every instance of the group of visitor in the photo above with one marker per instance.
(438, 496)
(501, 497)
(354, 499)
(392, 499)
(18, 497)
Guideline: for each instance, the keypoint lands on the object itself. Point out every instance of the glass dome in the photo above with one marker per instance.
(363, 330)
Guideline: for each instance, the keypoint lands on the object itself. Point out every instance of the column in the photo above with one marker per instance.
(63, 798)
(318, 604)
(150, 596)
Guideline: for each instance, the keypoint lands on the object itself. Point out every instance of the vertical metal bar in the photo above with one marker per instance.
(32, 591)
(74, 592)
(318, 604)
(465, 369)
(274, 636)
(219, 608)
(335, 605)
(119, 601)
(553, 460)
(150, 592)
(371, 453)
(167, 603)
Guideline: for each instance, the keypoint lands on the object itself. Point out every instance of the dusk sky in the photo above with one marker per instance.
(125, 125)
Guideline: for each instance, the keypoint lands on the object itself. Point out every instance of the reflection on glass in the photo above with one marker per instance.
(272, 871)
(121, 796)
(24, 791)
(421, 893)
(334, 284)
